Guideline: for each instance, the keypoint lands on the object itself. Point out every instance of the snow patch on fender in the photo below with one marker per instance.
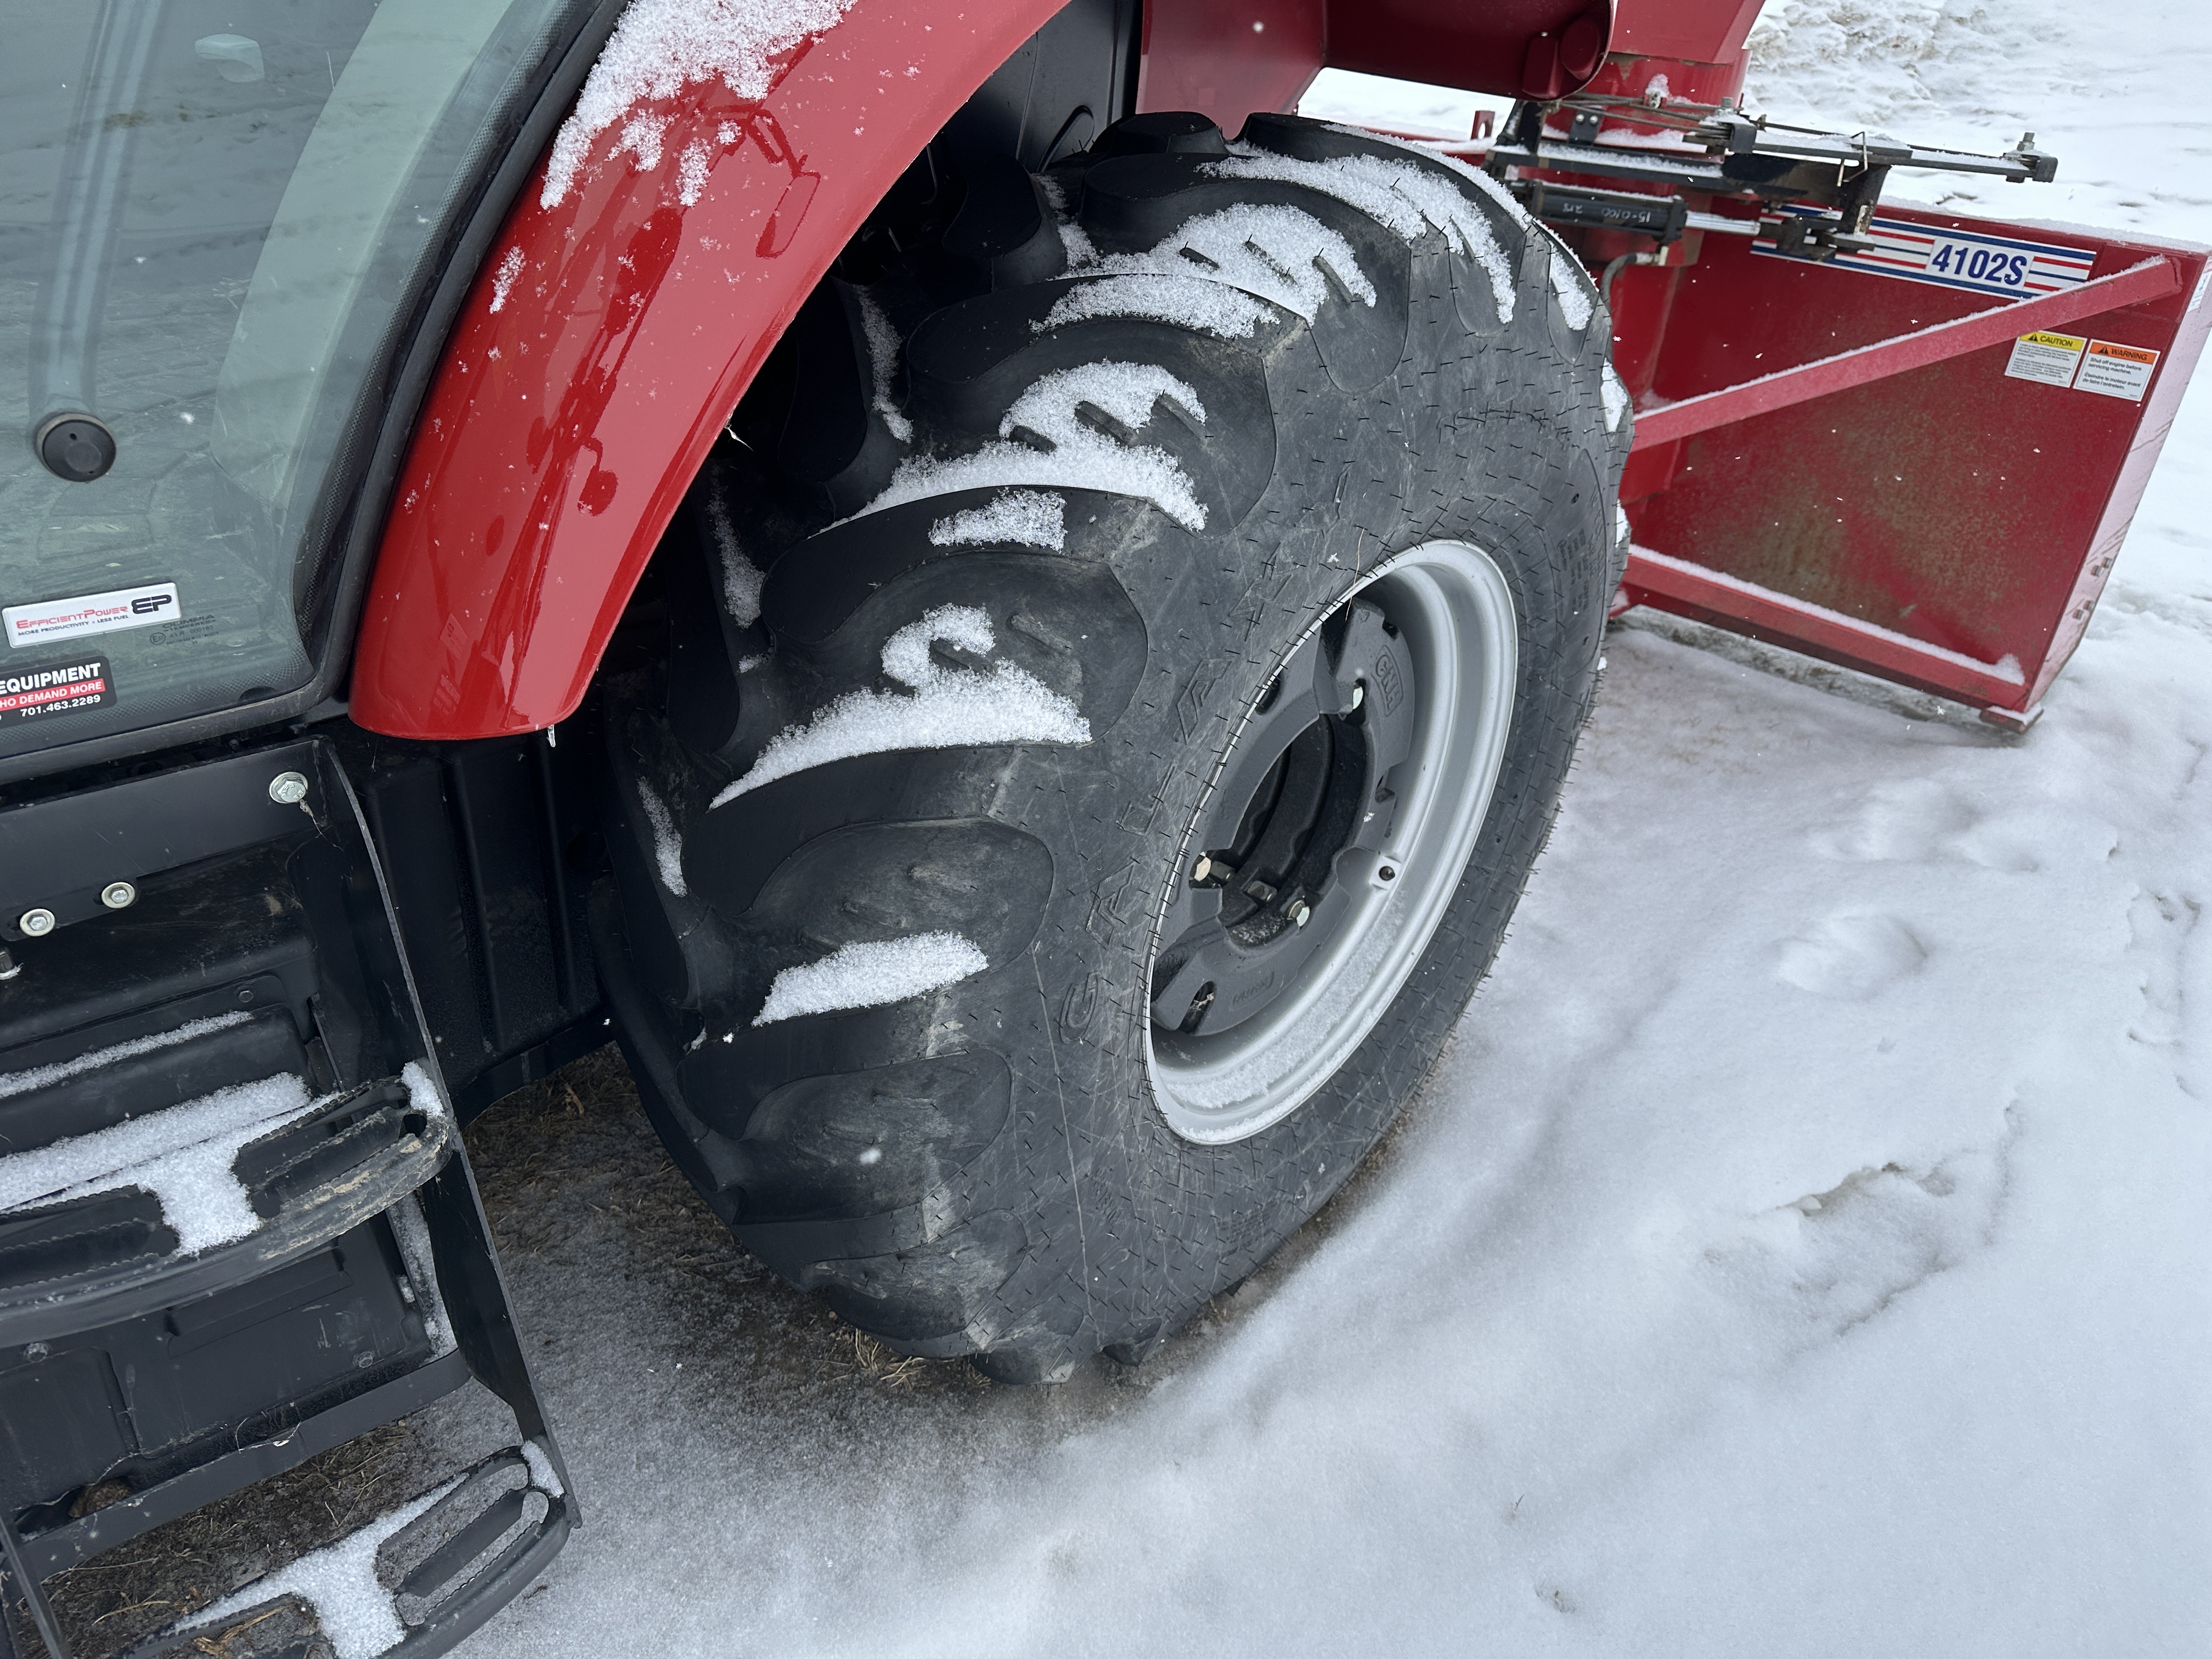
(1401, 195)
(661, 46)
(868, 974)
(502, 279)
(946, 708)
(1033, 518)
(1081, 457)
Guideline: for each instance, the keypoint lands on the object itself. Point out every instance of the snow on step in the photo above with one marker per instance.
(946, 708)
(1033, 518)
(1081, 456)
(1403, 195)
(868, 974)
(661, 46)
(183, 1156)
(339, 1581)
(17, 1083)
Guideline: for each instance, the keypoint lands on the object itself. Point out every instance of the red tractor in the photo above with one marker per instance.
(1015, 649)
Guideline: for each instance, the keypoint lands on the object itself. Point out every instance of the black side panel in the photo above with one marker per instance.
(478, 842)
(1070, 81)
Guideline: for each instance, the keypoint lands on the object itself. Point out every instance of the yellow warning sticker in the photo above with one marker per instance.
(2116, 371)
(2050, 358)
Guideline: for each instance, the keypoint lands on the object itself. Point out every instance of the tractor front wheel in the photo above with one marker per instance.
(1183, 591)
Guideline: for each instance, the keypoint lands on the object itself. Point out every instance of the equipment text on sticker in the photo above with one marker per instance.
(59, 689)
(2010, 267)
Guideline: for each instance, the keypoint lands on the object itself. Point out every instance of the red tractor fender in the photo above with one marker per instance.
(607, 340)
(619, 317)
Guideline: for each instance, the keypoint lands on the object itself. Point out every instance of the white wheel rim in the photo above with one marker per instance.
(1452, 605)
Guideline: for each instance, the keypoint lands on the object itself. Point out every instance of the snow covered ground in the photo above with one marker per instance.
(1802, 1249)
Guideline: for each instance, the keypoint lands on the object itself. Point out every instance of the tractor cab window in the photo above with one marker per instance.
(216, 220)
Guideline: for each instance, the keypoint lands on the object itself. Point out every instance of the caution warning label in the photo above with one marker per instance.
(2067, 359)
(2050, 358)
(2116, 371)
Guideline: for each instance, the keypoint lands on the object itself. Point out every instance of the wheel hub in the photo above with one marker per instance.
(1330, 842)
(1307, 785)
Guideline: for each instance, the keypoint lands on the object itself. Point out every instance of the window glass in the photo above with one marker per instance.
(215, 216)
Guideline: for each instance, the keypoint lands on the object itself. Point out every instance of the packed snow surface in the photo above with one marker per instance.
(943, 706)
(1801, 1249)
(868, 974)
(182, 1156)
(1079, 455)
(339, 1582)
(1033, 518)
(661, 46)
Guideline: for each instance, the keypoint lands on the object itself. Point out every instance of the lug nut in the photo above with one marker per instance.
(288, 788)
(118, 896)
(36, 923)
(1387, 872)
(1203, 870)
(1359, 692)
(8, 966)
(1301, 913)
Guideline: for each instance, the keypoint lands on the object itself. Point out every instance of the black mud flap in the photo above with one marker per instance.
(237, 1225)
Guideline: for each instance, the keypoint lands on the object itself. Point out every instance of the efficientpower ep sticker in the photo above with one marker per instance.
(2103, 367)
(63, 688)
(90, 613)
(2010, 266)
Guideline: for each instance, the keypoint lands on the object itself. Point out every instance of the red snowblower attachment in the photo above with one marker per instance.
(1902, 440)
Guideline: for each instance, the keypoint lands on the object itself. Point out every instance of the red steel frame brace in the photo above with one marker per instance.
(1797, 622)
(2153, 279)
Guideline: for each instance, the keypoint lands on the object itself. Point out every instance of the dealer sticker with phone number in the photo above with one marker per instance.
(64, 688)
(2009, 266)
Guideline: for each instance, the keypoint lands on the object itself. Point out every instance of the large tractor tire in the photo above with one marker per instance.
(1184, 583)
